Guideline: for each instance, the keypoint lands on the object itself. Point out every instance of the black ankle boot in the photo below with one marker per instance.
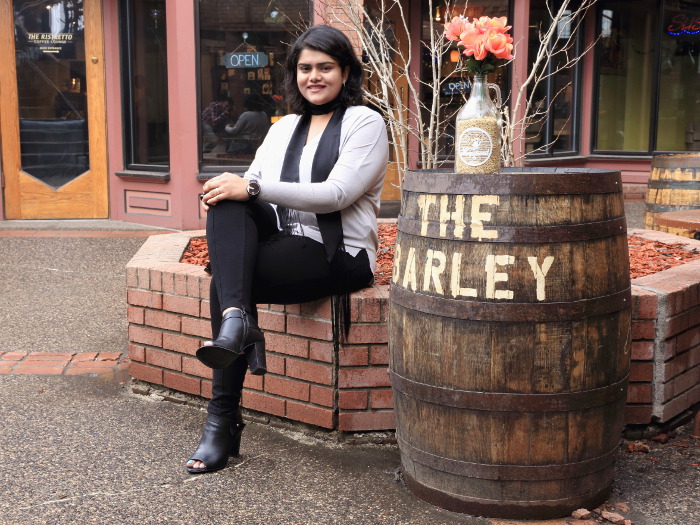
(221, 438)
(238, 331)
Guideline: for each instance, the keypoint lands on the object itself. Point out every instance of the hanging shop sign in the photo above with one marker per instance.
(454, 87)
(245, 60)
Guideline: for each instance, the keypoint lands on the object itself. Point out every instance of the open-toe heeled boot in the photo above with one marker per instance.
(221, 438)
(238, 332)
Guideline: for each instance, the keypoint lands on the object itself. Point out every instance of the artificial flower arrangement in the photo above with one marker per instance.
(486, 42)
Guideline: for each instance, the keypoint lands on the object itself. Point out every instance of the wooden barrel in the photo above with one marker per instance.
(509, 334)
(674, 184)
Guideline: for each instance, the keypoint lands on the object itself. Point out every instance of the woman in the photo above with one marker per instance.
(323, 170)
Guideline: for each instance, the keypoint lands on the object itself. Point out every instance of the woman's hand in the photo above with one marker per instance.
(224, 186)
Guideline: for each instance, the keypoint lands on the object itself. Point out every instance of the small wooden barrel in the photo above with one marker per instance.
(509, 336)
(674, 184)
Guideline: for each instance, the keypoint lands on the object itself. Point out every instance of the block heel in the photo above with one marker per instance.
(255, 354)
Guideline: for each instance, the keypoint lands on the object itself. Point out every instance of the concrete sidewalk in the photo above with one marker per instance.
(81, 449)
(63, 284)
(84, 449)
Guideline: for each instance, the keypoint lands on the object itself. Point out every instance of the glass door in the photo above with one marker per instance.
(53, 116)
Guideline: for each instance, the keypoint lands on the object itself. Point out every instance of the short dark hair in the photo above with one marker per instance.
(335, 44)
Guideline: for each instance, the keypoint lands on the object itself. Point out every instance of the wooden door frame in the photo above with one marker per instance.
(24, 196)
(9, 111)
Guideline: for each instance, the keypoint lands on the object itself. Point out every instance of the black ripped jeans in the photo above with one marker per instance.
(253, 263)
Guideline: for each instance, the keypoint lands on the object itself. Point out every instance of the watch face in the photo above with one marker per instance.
(253, 188)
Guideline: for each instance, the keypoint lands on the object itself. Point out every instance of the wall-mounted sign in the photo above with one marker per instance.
(244, 60)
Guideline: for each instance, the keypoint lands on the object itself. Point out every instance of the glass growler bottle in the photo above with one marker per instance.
(478, 130)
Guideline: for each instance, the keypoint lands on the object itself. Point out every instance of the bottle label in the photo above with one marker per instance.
(475, 146)
(478, 145)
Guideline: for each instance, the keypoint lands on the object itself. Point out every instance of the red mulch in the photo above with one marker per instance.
(197, 252)
(646, 257)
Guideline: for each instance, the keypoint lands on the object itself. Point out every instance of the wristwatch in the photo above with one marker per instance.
(253, 190)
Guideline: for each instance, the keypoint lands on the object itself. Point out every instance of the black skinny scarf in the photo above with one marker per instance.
(326, 156)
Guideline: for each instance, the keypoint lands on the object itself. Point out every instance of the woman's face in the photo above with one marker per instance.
(319, 76)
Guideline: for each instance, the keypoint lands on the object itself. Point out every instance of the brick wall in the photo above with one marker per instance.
(168, 314)
(665, 369)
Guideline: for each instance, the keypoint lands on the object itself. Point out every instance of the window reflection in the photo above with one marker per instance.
(146, 91)
(242, 49)
(555, 107)
(679, 79)
(626, 53)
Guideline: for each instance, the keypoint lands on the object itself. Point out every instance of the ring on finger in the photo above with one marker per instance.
(218, 191)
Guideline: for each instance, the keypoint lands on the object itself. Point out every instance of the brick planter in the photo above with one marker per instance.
(168, 314)
(665, 371)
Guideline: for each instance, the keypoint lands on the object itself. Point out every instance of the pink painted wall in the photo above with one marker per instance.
(114, 116)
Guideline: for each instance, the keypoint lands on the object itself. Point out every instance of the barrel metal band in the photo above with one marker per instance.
(526, 234)
(511, 312)
(505, 508)
(510, 472)
(515, 181)
(673, 184)
(660, 208)
(508, 402)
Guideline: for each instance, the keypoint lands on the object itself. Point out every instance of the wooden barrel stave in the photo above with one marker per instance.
(527, 210)
(534, 358)
(476, 484)
(559, 346)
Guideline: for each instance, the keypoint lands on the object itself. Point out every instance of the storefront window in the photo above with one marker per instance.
(455, 88)
(648, 76)
(146, 85)
(626, 52)
(52, 91)
(678, 121)
(556, 102)
(242, 48)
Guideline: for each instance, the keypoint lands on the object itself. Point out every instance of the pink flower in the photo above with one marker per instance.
(499, 24)
(485, 39)
(492, 25)
(500, 45)
(454, 29)
(473, 43)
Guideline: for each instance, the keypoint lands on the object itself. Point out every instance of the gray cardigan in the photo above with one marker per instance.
(354, 185)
